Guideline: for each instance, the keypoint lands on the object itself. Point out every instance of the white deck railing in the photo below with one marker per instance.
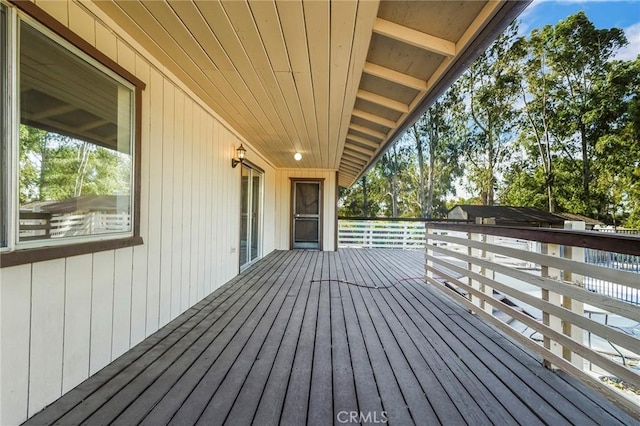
(381, 234)
(533, 284)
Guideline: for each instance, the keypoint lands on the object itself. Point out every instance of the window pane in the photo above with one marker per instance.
(4, 131)
(75, 144)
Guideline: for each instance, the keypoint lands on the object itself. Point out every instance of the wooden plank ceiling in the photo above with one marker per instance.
(334, 80)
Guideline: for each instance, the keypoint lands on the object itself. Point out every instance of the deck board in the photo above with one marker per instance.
(304, 337)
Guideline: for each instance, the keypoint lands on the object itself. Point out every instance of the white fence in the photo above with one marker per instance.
(535, 285)
(381, 234)
(35, 226)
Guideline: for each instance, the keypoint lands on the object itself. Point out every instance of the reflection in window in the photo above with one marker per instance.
(75, 144)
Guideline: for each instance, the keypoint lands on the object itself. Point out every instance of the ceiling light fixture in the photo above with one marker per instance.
(297, 156)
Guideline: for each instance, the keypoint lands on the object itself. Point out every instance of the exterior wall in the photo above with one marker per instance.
(65, 319)
(283, 206)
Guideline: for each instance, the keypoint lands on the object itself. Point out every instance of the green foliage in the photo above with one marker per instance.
(56, 167)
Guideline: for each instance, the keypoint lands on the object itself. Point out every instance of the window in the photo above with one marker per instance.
(75, 140)
(69, 155)
(4, 131)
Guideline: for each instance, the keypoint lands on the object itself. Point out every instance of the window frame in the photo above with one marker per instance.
(15, 253)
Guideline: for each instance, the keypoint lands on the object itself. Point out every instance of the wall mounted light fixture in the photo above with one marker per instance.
(240, 152)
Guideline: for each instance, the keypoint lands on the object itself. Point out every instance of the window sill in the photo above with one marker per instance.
(21, 257)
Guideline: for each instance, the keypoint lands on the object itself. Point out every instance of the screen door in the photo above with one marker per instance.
(306, 214)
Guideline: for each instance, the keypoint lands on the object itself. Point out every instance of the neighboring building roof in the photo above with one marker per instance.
(505, 214)
(580, 218)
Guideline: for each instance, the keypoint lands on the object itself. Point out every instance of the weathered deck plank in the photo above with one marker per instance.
(304, 337)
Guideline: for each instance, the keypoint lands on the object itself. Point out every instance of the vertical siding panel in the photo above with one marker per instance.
(58, 9)
(185, 298)
(218, 165)
(106, 41)
(166, 250)
(101, 310)
(140, 253)
(47, 333)
(77, 329)
(122, 302)
(15, 325)
(231, 143)
(81, 23)
(195, 197)
(126, 56)
(208, 207)
(178, 186)
(206, 133)
(156, 89)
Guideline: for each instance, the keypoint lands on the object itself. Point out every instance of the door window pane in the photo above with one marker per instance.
(307, 199)
(75, 144)
(244, 216)
(250, 220)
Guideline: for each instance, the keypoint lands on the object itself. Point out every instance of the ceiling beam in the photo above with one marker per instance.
(374, 118)
(383, 101)
(359, 149)
(93, 125)
(356, 154)
(414, 38)
(51, 112)
(394, 76)
(355, 160)
(362, 141)
(355, 167)
(367, 131)
(352, 169)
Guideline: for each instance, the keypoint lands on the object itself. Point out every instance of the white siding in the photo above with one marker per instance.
(65, 319)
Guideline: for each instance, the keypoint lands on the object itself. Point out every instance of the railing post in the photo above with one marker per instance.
(430, 252)
(487, 290)
(473, 252)
(550, 320)
(576, 333)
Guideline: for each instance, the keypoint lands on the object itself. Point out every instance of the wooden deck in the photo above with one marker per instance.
(290, 341)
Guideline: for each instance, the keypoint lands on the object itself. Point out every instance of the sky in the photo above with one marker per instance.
(603, 13)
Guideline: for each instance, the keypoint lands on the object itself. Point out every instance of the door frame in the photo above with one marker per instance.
(320, 208)
(242, 267)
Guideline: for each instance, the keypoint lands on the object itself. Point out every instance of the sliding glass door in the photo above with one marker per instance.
(251, 216)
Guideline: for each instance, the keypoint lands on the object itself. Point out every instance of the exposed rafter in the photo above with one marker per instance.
(394, 76)
(374, 118)
(364, 157)
(359, 149)
(383, 101)
(355, 160)
(353, 169)
(414, 38)
(362, 141)
(52, 112)
(367, 131)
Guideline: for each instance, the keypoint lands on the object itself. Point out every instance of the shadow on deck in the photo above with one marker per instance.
(290, 341)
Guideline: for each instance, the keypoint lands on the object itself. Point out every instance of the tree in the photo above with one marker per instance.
(578, 55)
(57, 167)
(491, 93)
